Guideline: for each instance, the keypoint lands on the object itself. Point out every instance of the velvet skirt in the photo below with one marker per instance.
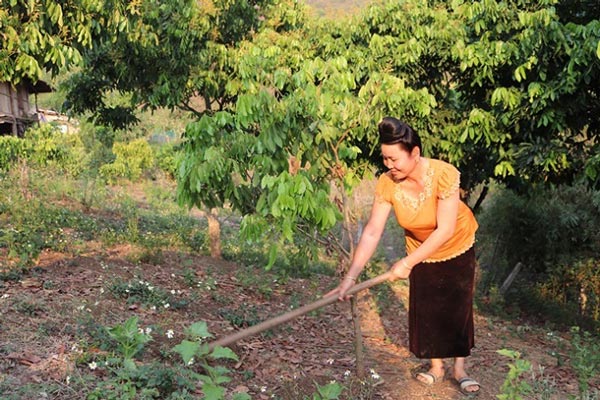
(441, 307)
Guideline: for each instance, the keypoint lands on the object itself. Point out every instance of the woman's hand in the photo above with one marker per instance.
(400, 270)
(342, 289)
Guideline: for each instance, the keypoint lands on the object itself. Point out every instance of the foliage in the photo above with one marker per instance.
(585, 358)
(553, 232)
(545, 227)
(130, 341)
(40, 36)
(145, 293)
(131, 160)
(43, 146)
(179, 48)
(514, 387)
(11, 150)
(308, 101)
(128, 379)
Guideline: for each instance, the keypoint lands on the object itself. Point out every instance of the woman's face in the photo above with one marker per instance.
(399, 161)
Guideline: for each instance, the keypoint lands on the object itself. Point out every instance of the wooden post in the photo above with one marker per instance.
(511, 278)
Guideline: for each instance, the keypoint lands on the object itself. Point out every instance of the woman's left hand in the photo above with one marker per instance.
(400, 270)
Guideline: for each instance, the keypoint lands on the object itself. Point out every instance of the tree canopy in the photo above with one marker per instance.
(286, 121)
(504, 90)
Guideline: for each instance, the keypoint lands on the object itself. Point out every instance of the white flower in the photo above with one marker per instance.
(170, 333)
(153, 308)
(5, 296)
(172, 291)
(148, 330)
(374, 374)
(332, 381)
(93, 365)
(347, 373)
(141, 330)
(68, 380)
(173, 276)
(150, 288)
(80, 308)
(330, 361)
(263, 389)
(191, 361)
(167, 305)
(101, 290)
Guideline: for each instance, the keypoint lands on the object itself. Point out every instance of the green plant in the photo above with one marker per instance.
(194, 352)
(585, 358)
(143, 292)
(514, 387)
(130, 340)
(132, 159)
(330, 391)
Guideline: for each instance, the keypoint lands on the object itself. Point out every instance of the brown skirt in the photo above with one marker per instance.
(441, 308)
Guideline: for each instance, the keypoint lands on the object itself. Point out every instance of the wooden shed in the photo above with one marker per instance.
(15, 111)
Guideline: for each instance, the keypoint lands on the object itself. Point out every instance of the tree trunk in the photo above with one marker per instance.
(214, 233)
(358, 342)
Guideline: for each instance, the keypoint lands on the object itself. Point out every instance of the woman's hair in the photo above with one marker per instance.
(394, 131)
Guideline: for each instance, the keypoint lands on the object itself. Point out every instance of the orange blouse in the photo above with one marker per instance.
(418, 215)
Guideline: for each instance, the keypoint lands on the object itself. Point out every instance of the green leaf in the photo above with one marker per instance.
(241, 396)
(331, 391)
(223, 353)
(129, 365)
(198, 330)
(187, 350)
(212, 392)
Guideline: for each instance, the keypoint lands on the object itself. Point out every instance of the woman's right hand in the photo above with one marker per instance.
(342, 289)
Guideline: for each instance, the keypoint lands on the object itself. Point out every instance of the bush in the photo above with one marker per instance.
(554, 233)
(548, 227)
(131, 160)
(11, 150)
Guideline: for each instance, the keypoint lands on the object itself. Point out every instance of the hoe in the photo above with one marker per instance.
(283, 318)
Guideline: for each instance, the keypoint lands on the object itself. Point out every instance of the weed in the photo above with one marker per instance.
(139, 291)
(242, 317)
(29, 308)
(514, 387)
(585, 358)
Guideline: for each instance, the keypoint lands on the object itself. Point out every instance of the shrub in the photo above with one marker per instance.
(50, 147)
(132, 159)
(544, 228)
(11, 150)
(554, 233)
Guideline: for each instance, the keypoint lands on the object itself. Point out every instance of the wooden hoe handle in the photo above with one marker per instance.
(281, 319)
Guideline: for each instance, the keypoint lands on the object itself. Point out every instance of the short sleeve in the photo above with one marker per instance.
(382, 191)
(449, 181)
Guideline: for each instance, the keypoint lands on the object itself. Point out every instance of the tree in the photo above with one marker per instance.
(46, 35)
(493, 87)
(181, 58)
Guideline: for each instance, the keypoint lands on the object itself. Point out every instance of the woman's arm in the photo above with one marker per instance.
(447, 213)
(366, 245)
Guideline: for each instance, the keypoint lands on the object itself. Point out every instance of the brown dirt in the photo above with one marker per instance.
(42, 316)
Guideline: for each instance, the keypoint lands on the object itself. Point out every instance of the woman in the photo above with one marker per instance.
(440, 262)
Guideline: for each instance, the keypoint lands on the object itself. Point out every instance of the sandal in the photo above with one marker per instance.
(429, 379)
(465, 382)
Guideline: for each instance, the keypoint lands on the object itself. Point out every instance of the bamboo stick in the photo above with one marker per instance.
(281, 319)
